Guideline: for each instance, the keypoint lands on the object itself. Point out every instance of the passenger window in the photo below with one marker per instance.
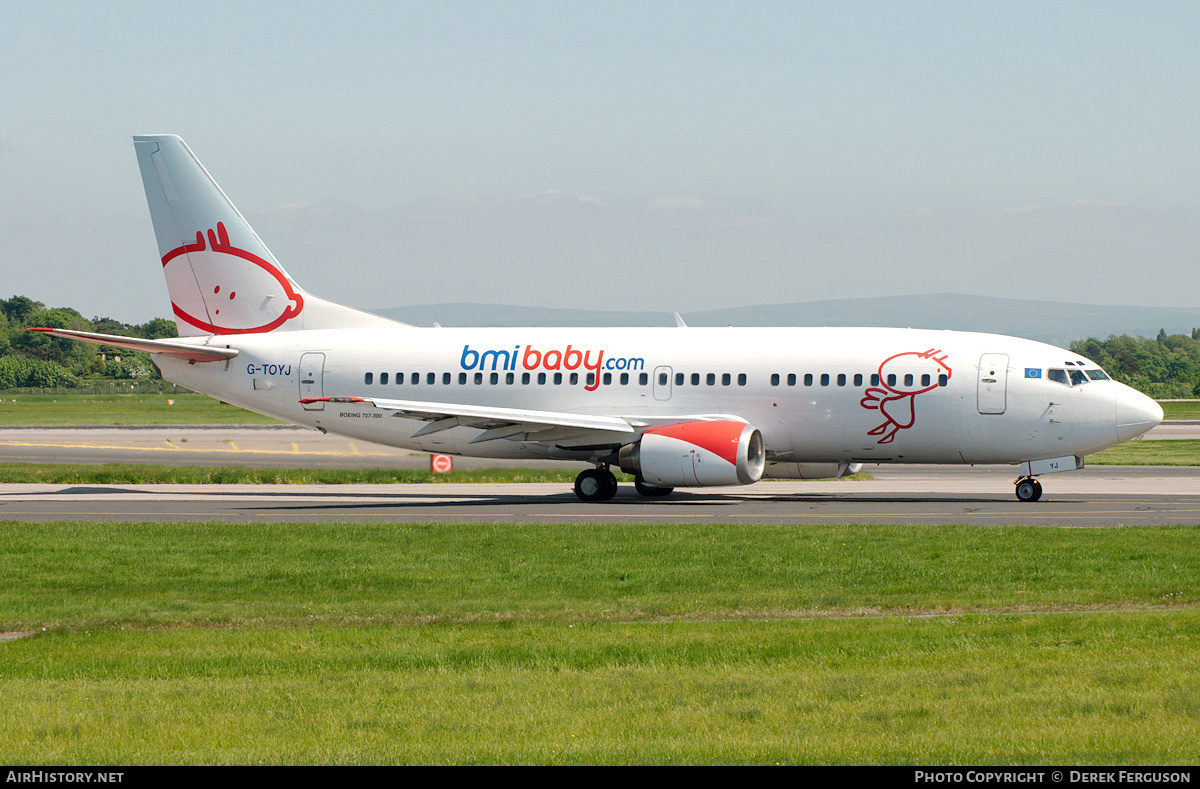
(624, 379)
(541, 378)
(943, 379)
(824, 379)
(478, 378)
(908, 379)
(591, 379)
(808, 379)
(858, 379)
(607, 379)
(368, 378)
(574, 379)
(399, 378)
(891, 379)
(841, 379)
(446, 378)
(415, 378)
(925, 379)
(431, 378)
(791, 379)
(558, 379)
(874, 379)
(644, 378)
(383, 378)
(509, 378)
(710, 379)
(695, 379)
(662, 379)
(774, 379)
(679, 379)
(524, 378)
(741, 379)
(726, 379)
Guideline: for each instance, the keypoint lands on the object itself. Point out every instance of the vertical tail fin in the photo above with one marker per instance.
(221, 277)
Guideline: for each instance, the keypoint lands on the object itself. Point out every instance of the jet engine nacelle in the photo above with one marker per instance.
(696, 454)
(810, 470)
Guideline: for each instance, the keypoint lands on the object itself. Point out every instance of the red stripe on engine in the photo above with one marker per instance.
(719, 437)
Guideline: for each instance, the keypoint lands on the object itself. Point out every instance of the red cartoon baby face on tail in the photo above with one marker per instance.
(903, 377)
(221, 289)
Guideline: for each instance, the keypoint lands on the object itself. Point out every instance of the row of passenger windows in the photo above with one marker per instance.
(842, 379)
(624, 379)
(509, 378)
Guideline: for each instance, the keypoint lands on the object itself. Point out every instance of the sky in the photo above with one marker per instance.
(612, 155)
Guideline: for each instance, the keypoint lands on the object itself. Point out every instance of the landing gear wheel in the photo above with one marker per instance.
(648, 491)
(595, 484)
(1029, 489)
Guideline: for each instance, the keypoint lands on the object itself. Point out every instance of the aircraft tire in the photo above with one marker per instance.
(649, 491)
(1028, 489)
(595, 484)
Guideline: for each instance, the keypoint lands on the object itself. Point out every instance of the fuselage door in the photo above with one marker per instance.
(312, 369)
(993, 383)
(662, 383)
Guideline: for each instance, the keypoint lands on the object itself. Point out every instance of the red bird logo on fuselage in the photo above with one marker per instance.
(903, 377)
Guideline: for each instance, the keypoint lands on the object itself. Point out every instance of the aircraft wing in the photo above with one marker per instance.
(516, 424)
(192, 352)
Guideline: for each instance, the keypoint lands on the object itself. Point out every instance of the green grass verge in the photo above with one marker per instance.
(1185, 452)
(58, 410)
(598, 643)
(1188, 409)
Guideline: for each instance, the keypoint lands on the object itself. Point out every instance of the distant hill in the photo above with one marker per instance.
(1058, 323)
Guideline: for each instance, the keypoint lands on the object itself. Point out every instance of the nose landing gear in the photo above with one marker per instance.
(1028, 489)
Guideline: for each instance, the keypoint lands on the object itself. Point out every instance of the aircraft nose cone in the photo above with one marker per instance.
(1135, 414)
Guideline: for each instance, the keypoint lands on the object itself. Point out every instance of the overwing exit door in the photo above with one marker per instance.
(312, 371)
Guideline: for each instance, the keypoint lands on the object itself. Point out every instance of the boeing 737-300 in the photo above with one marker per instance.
(675, 407)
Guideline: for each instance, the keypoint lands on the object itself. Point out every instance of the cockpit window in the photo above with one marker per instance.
(1074, 377)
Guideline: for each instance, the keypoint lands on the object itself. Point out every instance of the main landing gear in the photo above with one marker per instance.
(1028, 489)
(596, 484)
(600, 484)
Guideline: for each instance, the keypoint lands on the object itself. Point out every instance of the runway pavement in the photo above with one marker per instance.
(1095, 496)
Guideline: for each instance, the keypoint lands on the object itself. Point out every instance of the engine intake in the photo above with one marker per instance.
(697, 454)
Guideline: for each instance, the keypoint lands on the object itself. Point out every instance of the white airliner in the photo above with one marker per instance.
(675, 407)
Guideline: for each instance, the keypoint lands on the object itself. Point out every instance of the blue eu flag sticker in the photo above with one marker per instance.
(1033, 372)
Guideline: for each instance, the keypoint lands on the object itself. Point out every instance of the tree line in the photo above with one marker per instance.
(1167, 366)
(33, 359)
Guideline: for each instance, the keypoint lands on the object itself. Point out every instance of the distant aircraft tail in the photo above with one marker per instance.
(221, 278)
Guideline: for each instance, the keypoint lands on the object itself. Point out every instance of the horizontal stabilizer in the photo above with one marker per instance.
(192, 352)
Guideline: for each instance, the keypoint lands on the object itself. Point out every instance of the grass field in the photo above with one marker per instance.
(1186, 409)
(598, 643)
(127, 409)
